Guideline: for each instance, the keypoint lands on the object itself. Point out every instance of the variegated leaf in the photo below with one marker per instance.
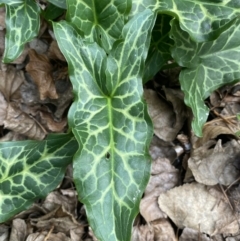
(22, 24)
(59, 3)
(111, 124)
(209, 66)
(100, 21)
(31, 169)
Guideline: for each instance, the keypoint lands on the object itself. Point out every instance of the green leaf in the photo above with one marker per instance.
(31, 169)
(111, 124)
(141, 5)
(159, 52)
(61, 4)
(100, 21)
(22, 24)
(201, 19)
(208, 65)
(12, 2)
(52, 12)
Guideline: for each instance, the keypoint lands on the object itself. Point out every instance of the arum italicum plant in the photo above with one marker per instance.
(112, 47)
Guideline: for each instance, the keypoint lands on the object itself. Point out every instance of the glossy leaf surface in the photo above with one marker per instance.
(31, 169)
(59, 3)
(111, 124)
(100, 21)
(22, 24)
(209, 66)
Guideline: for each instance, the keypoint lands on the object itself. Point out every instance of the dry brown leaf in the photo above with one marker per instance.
(19, 122)
(3, 108)
(163, 177)
(2, 40)
(211, 130)
(4, 232)
(11, 80)
(160, 230)
(2, 18)
(55, 198)
(218, 165)
(189, 234)
(162, 116)
(160, 148)
(19, 230)
(199, 207)
(40, 69)
(38, 45)
(45, 236)
(54, 52)
(48, 122)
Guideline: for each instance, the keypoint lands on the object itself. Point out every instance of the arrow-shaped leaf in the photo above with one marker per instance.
(111, 124)
(22, 24)
(31, 169)
(208, 65)
(100, 21)
(201, 19)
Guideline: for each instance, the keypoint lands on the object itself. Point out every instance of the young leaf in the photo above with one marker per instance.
(100, 21)
(159, 51)
(111, 124)
(22, 24)
(31, 169)
(208, 65)
(201, 19)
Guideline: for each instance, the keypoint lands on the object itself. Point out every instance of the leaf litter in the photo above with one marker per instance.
(191, 195)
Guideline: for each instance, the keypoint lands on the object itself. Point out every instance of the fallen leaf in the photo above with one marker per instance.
(159, 230)
(163, 177)
(218, 165)
(19, 230)
(193, 235)
(20, 122)
(162, 115)
(11, 80)
(4, 232)
(40, 69)
(3, 108)
(54, 52)
(43, 236)
(48, 122)
(38, 45)
(2, 40)
(199, 207)
(2, 18)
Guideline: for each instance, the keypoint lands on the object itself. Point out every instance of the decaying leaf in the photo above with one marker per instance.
(193, 235)
(54, 52)
(160, 230)
(4, 232)
(43, 236)
(22, 123)
(3, 108)
(19, 230)
(163, 123)
(40, 70)
(11, 80)
(218, 165)
(163, 177)
(199, 207)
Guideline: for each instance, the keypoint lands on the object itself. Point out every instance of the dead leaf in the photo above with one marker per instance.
(199, 207)
(19, 230)
(54, 52)
(19, 122)
(50, 237)
(2, 40)
(162, 115)
(2, 18)
(193, 235)
(159, 230)
(40, 69)
(163, 177)
(38, 45)
(11, 80)
(48, 122)
(3, 108)
(218, 165)
(4, 232)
